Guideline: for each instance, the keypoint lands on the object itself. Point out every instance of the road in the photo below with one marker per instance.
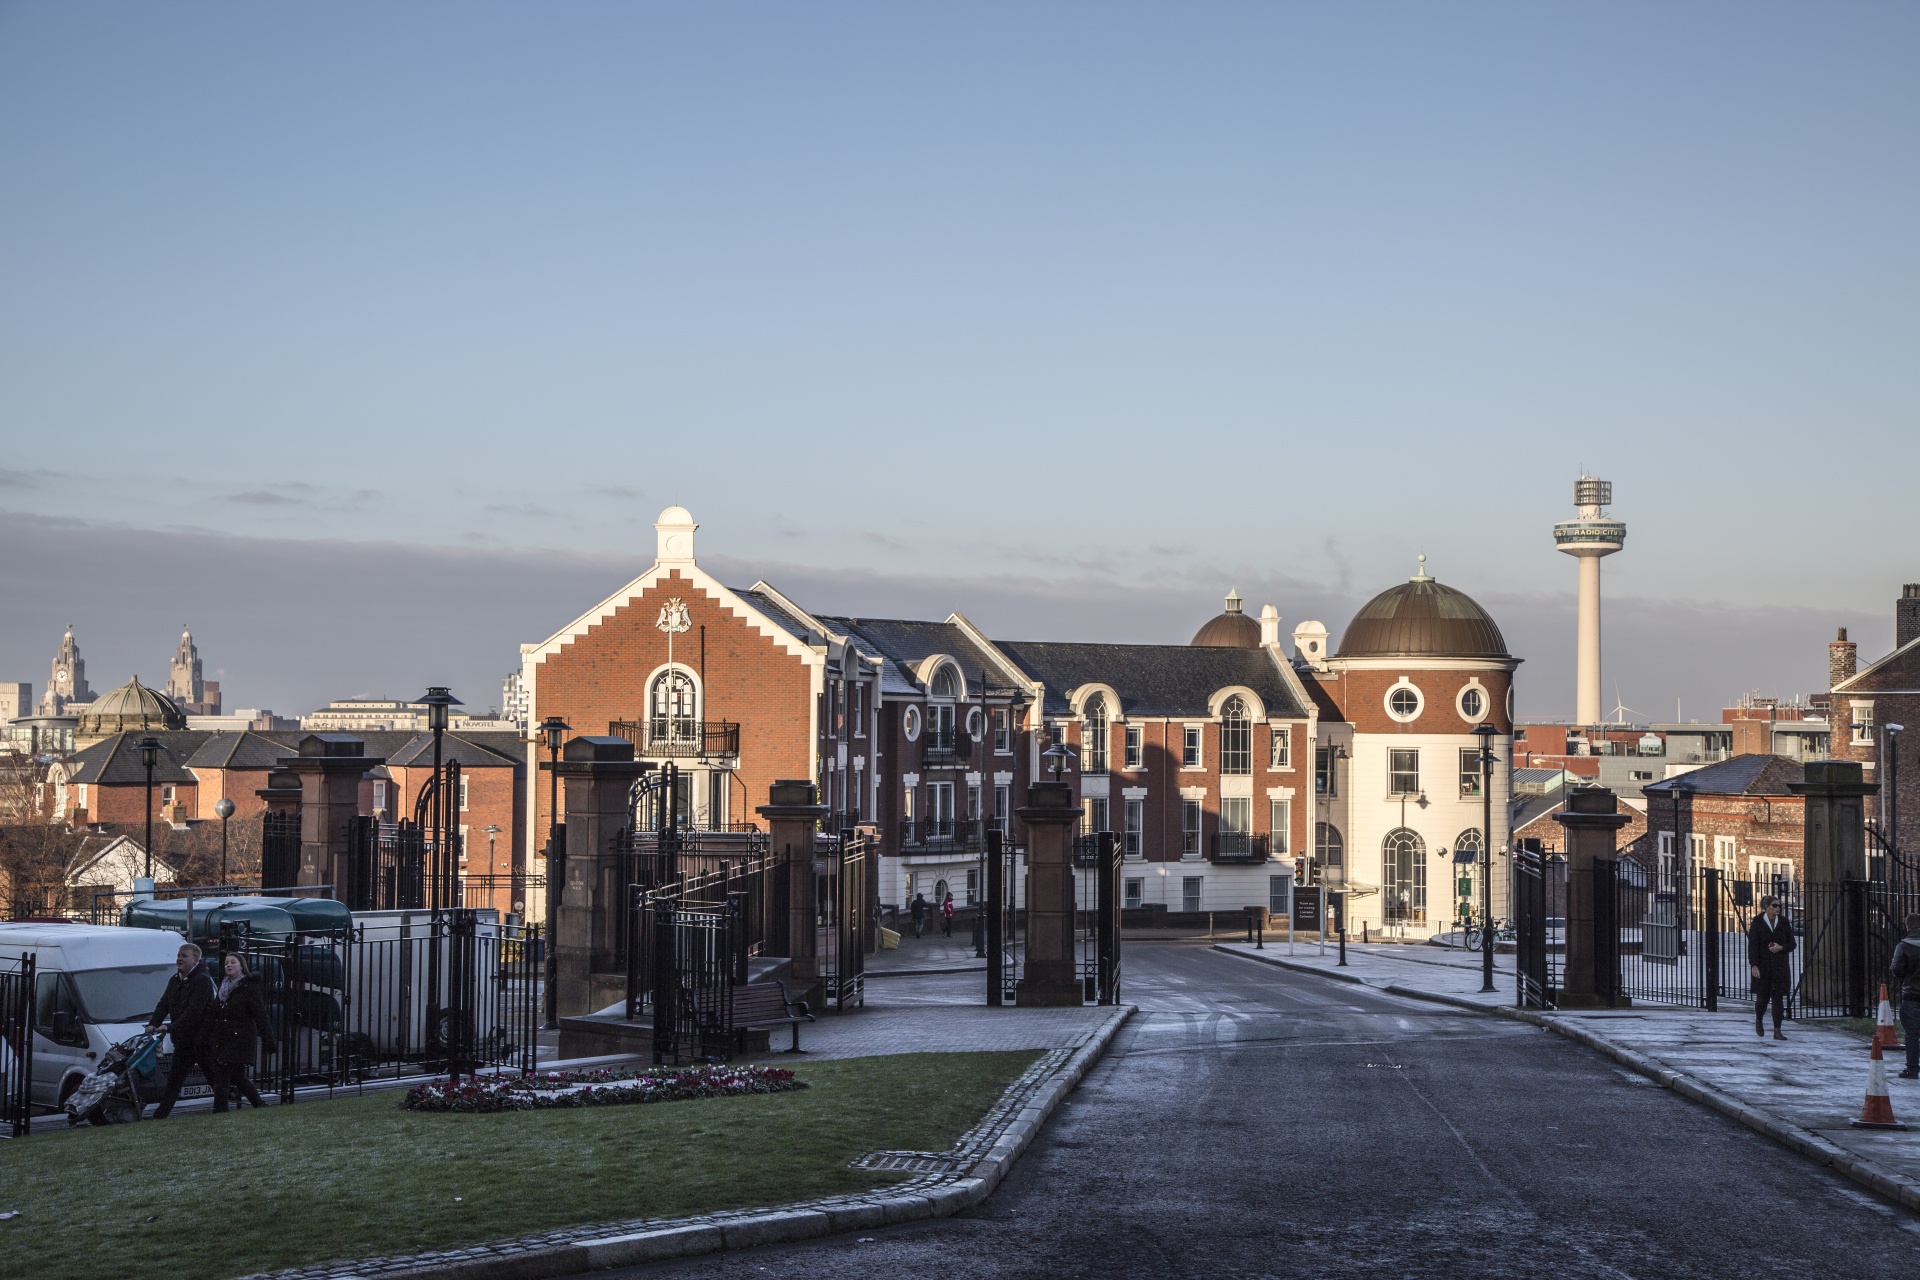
(1255, 1122)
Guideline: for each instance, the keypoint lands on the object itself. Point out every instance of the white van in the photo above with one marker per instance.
(94, 985)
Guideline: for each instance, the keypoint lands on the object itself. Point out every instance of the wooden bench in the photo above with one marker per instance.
(765, 1004)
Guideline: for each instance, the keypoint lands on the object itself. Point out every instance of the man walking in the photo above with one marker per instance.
(918, 909)
(188, 1003)
(1905, 972)
(1769, 943)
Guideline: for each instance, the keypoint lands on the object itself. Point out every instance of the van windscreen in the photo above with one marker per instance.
(121, 995)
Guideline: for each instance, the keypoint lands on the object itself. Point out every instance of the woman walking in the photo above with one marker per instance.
(239, 1018)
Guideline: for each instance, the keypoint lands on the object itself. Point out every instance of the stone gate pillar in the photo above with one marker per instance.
(1834, 842)
(793, 815)
(1052, 975)
(598, 775)
(329, 766)
(1592, 820)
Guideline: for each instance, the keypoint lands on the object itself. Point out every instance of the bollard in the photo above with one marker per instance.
(1260, 935)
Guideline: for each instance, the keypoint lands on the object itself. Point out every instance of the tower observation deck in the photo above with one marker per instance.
(1589, 537)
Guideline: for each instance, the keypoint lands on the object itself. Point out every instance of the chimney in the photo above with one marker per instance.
(1906, 615)
(1843, 659)
(1269, 626)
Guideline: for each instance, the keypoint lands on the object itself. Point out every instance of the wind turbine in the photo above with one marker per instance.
(1620, 709)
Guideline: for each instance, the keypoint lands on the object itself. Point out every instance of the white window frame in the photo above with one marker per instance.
(1280, 826)
(1394, 788)
(1862, 723)
(1280, 750)
(1193, 894)
(1133, 818)
(1460, 702)
(1191, 837)
(1419, 701)
(910, 723)
(1133, 891)
(464, 779)
(1135, 747)
(1193, 746)
(1002, 731)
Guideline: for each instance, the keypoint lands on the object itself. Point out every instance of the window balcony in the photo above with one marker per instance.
(1239, 847)
(661, 738)
(941, 835)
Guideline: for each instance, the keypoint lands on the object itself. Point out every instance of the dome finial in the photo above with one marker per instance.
(1233, 600)
(1423, 575)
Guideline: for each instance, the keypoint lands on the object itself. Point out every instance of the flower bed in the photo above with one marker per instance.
(482, 1094)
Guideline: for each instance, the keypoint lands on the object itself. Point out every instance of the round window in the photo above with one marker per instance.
(973, 724)
(912, 723)
(1473, 703)
(1404, 702)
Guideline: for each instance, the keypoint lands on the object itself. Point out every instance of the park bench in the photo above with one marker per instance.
(765, 1004)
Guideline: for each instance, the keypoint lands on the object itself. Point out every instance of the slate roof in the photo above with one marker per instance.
(114, 762)
(246, 749)
(1153, 679)
(905, 644)
(777, 614)
(1755, 775)
(1531, 808)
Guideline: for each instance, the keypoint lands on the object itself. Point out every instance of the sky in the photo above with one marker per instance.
(369, 340)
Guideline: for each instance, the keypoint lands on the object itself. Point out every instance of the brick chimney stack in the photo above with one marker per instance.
(1906, 615)
(1843, 659)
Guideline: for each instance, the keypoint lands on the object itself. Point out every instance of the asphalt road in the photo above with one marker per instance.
(1254, 1122)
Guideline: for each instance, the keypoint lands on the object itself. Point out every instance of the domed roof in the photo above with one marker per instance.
(1422, 619)
(131, 706)
(1231, 630)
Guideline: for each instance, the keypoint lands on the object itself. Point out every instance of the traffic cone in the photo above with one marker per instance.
(1886, 1035)
(1877, 1111)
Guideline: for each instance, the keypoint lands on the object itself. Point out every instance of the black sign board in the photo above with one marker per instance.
(1306, 909)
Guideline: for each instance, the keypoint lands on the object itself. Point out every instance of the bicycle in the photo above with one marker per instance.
(1477, 936)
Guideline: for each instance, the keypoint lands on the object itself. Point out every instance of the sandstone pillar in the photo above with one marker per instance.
(598, 774)
(1835, 833)
(1051, 976)
(329, 766)
(793, 815)
(1592, 821)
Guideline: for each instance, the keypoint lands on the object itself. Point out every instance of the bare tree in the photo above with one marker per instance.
(35, 848)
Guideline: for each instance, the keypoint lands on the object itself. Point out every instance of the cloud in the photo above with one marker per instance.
(529, 509)
(19, 479)
(263, 498)
(616, 491)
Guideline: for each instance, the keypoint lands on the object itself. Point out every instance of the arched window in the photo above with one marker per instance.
(673, 708)
(1329, 850)
(945, 683)
(1403, 877)
(1236, 737)
(1094, 737)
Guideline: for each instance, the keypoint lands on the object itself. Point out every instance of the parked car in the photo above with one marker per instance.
(94, 986)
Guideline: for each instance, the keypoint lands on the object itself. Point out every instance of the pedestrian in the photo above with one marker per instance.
(946, 917)
(239, 1019)
(1905, 972)
(918, 910)
(1769, 942)
(185, 1006)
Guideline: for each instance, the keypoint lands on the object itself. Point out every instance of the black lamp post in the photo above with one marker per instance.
(149, 749)
(553, 731)
(437, 700)
(1891, 836)
(1485, 732)
(223, 809)
(1682, 869)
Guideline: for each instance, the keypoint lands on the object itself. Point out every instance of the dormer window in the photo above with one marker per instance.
(1236, 737)
(1094, 743)
(946, 683)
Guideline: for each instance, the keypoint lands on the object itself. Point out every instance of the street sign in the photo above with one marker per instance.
(1306, 909)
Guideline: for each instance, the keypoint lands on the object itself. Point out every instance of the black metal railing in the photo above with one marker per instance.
(671, 738)
(941, 835)
(279, 850)
(1239, 846)
(16, 1045)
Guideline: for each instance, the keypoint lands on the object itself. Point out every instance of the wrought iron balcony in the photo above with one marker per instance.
(1239, 846)
(941, 835)
(665, 738)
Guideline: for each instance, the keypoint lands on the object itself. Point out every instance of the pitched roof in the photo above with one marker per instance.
(905, 643)
(1899, 670)
(1153, 679)
(776, 612)
(1754, 775)
(246, 749)
(462, 747)
(113, 761)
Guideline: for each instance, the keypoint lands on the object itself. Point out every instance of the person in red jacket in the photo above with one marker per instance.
(946, 916)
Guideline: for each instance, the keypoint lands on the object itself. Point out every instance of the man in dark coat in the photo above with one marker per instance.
(918, 909)
(1905, 972)
(1769, 943)
(187, 1004)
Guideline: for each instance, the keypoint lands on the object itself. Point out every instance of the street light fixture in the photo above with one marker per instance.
(1059, 756)
(1485, 732)
(553, 731)
(437, 701)
(223, 809)
(149, 749)
(1891, 836)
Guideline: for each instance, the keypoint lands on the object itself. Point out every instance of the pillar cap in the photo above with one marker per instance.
(1049, 802)
(1592, 807)
(1834, 778)
(793, 798)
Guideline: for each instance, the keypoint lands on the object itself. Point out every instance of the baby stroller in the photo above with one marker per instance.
(116, 1092)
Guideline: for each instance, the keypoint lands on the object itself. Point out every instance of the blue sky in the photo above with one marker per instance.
(1088, 299)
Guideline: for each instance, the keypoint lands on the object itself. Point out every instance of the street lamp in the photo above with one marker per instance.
(1891, 836)
(492, 829)
(1683, 869)
(149, 749)
(223, 809)
(1485, 732)
(437, 700)
(1058, 756)
(553, 730)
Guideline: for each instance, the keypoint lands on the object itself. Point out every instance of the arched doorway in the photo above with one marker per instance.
(1403, 877)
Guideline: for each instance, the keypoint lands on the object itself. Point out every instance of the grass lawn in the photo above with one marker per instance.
(222, 1196)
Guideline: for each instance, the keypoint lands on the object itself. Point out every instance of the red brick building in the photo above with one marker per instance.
(1739, 816)
(1875, 715)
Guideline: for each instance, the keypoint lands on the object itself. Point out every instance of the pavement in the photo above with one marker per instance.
(1804, 1091)
(1252, 1121)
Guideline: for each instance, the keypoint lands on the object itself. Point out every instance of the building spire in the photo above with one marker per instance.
(1422, 575)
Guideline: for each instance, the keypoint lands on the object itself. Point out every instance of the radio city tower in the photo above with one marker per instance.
(1589, 537)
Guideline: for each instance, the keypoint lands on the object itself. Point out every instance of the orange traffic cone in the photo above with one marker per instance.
(1877, 1111)
(1886, 1035)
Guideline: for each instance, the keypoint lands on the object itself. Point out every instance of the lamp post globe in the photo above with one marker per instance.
(223, 809)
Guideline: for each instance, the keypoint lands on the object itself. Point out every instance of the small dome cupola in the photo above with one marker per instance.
(1232, 629)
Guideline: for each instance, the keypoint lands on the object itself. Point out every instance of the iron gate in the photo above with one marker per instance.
(1096, 915)
(1005, 893)
(840, 884)
(279, 850)
(1534, 983)
(16, 1045)
(695, 966)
